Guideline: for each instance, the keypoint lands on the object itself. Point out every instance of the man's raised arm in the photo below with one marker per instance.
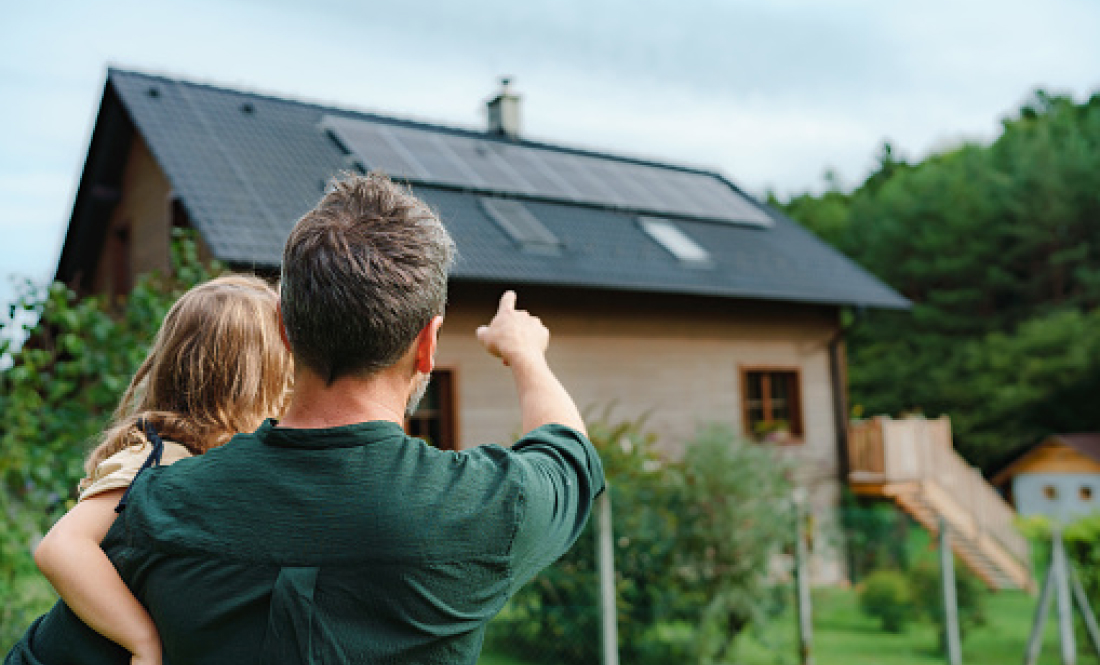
(521, 340)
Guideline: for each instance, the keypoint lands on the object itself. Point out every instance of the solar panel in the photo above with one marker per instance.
(435, 156)
(571, 169)
(523, 227)
(666, 188)
(604, 176)
(720, 194)
(366, 141)
(489, 166)
(439, 163)
(625, 179)
(534, 171)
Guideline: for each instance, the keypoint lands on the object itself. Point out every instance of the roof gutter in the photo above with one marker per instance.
(838, 377)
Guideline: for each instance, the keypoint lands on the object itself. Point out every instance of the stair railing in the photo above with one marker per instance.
(919, 450)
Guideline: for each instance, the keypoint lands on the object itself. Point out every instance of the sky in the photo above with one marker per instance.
(771, 93)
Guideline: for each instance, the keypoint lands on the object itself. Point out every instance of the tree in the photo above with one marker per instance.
(998, 248)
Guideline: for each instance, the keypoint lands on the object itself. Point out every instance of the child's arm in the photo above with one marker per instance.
(72, 560)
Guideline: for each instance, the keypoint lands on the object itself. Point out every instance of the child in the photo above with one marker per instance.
(218, 366)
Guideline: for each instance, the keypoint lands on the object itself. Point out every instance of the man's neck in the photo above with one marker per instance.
(347, 401)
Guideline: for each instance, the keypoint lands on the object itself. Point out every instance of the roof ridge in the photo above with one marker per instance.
(469, 132)
(1086, 443)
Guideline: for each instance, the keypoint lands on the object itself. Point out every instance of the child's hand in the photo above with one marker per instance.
(146, 659)
(149, 654)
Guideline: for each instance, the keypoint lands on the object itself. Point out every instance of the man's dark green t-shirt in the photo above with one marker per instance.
(355, 544)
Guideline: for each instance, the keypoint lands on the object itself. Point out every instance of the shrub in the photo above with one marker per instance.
(876, 536)
(885, 596)
(693, 543)
(926, 581)
(1082, 541)
(57, 394)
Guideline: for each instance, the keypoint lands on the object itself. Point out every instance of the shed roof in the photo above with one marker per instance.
(246, 166)
(1087, 444)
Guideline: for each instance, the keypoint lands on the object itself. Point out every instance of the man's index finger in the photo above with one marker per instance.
(507, 302)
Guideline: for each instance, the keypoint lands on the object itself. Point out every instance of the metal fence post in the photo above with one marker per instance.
(605, 555)
(1061, 596)
(1086, 610)
(1035, 640)
(802, 582)
(950, 601)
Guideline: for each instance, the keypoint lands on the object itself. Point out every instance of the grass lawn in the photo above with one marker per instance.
(844, 636)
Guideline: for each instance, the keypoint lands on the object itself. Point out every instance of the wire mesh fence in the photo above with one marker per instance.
(890, 597)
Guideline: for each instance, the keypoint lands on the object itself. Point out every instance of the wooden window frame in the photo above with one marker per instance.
(449, 412)
(797, 425)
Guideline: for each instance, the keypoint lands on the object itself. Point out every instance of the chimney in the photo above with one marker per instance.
(504, 111)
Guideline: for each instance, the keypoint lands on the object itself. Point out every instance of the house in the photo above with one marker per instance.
(1059, 477)
(670, 291)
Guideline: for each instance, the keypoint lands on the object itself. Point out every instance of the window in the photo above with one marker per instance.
(675, 241)
(772, 404)
(434, 419)
(1085, 493)
(1050, 492)
(521, 226)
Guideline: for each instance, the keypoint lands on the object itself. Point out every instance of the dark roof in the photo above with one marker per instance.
(245, 167)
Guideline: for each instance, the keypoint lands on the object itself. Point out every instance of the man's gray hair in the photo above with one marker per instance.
(362, 274)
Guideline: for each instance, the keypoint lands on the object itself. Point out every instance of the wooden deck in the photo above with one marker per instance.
(912, 463)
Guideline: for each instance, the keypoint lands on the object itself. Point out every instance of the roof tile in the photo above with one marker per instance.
(246, 177)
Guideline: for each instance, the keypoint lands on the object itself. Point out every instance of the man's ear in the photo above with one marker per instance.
(282, 326)
(426, 343)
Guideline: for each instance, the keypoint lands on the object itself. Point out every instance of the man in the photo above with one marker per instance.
(330, 536)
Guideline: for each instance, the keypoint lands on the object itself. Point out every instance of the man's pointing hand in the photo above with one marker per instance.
(514, 335)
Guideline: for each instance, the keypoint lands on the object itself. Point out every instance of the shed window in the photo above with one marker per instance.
(1050, 492)
(435, 418)
(772, 404)
(1085, 493)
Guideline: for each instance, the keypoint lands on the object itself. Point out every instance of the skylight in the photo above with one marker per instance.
(521, 226)
(669, 236)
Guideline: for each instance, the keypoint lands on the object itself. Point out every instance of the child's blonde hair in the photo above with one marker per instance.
(218, 366)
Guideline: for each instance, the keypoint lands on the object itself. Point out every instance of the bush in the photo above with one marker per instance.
(885, 596)
(876, 536)
(926, 581)
(694, 540)
(1082, 541)
(56, 396)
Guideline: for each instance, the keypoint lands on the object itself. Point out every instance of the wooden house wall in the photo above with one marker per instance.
(144, 214)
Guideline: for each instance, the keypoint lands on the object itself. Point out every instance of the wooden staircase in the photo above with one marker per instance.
(912, 463)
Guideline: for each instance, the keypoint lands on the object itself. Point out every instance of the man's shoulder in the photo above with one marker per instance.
(559, 441)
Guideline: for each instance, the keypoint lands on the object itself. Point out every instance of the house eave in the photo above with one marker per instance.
(98, 192)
